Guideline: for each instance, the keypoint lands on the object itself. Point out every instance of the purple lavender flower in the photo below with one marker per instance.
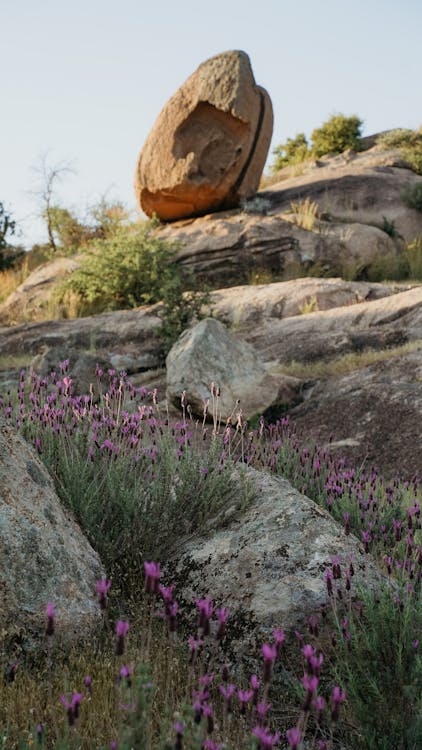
(208, 712)
(294, 737)
(194, 646)
(179, 727)
(265, 738)
(244, 697)
(319, 705)
(337, 698)
(269, 653)
(125, 674)
(261, 710)
(103, 587)
(279, 638)
(205, 610)
(153, 574)
(122, 628)
(166, 592)
(72, 707)
(310, 683)
(211, 745)
(227, 692)
(206, 679)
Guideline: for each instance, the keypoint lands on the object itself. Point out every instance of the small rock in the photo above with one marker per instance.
(209, 352)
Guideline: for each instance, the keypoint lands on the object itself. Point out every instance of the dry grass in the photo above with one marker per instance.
(10, 279)
(305, 213)
(344, 364)
(34, 696)
(14, 361)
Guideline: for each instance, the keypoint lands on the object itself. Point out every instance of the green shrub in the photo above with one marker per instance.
(130, 268)
(412, 196)
(413, 156)
(410, 144)
(336, 135)
(294, 151)
(396, 138)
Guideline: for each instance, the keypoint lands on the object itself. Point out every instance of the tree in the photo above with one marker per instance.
(50, 175)
(294, 151)
(336, 135)
(7, 229)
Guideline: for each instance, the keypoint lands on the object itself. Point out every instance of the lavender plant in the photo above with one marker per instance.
(136, 482)
(356, 674)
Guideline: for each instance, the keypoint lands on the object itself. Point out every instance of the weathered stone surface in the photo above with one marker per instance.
(268, 565)
(209, 352)
(208, 146)
(247, 306)
(354, 196)
(30, 300)
(43, 553)
(82, 366)
(229, 248)
(374, 414)
(385, 322)
(112, 332)
(359, 187)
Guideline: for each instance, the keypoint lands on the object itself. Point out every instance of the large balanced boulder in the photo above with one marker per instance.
(44, 557)
(208, 146)
(207, 353)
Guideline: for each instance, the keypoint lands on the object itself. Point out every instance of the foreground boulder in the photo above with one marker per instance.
(209, 352)
(268, 565)
(44, 556)
(208, 146)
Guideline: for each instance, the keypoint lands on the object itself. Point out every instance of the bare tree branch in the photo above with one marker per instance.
(49, 174)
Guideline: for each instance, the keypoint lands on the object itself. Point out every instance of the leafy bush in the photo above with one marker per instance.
(7, 229)
(396, 138)
(336, 135)
(412, 196)
(130, 268)
(410, 144)
(333, 137)
(294, 151)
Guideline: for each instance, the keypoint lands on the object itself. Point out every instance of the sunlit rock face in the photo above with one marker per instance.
(208, 147)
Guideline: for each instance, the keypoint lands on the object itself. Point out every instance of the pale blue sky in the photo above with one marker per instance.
(85, 79)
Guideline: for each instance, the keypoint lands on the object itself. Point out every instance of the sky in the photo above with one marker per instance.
(84, 80)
